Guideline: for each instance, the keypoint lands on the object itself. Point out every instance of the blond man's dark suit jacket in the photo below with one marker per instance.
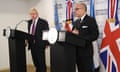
(37, 45)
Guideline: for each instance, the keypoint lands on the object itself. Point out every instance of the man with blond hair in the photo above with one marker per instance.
(37, 46)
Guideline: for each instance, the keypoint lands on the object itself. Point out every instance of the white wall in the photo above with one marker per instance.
(46, 10)
(11, 12)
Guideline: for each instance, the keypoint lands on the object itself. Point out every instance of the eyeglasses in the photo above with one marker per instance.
(77, 9)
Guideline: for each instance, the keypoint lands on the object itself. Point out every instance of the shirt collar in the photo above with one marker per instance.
(36, 20)
(83, 17)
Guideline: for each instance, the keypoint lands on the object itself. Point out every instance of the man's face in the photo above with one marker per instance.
(79, 10)
(33, 14)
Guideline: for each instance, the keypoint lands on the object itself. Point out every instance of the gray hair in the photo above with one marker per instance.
(83, 4)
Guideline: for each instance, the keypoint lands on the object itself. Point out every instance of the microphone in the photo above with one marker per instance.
(20, 23)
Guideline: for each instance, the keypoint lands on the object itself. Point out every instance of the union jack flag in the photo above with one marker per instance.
(69, 15)
(110, 47)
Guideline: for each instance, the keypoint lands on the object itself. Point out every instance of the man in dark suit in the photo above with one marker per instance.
(35, 27)
(86, 28)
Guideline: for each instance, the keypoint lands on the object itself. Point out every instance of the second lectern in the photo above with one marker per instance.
(63, 52)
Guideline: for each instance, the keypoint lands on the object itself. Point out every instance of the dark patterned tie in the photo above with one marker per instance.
(80, 20)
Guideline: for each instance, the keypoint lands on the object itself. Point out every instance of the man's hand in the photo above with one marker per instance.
(46, 46)
(26, 42)
(75, 31)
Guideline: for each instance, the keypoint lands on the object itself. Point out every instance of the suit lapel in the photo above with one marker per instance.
(29, 25)
(39, 26)
(84, 20)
